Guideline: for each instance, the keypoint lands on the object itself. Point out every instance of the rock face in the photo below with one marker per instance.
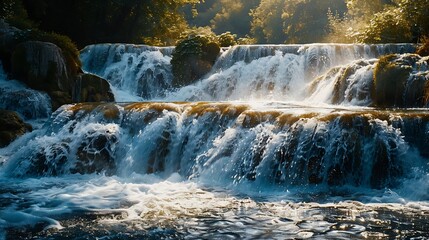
(401, 81)
(47, 67)
(41, 66)
(11, 127)
(92, 88)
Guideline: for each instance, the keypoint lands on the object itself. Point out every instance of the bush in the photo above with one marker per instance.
(193, 58)
(227, 39)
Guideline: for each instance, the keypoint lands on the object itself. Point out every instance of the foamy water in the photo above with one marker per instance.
(274, 151)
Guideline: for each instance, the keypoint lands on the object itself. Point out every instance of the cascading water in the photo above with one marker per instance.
(30, 104)
(289, 143)
(141, 72)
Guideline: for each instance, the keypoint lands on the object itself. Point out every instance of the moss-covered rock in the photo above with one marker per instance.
(391, 75)
(193, 58)
(92, 88)
(47, 62)
(11, 127)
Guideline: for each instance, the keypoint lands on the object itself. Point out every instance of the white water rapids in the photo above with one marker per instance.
(276, 142)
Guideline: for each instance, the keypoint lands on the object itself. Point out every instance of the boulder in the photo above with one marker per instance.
(96, 153)
(50, 63)
(92, 88)
(41, 65)
(8, 36)
(11, 127)
(193, 58)
(401, 81)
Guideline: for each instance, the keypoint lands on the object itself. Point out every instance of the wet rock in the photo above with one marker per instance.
(401, 81)
(50, 161)
(8, 36)
(92, 88)
(30, 104)
(50, 63)
(11, 127)
(41, 65)
(193, 58)
(96, 153)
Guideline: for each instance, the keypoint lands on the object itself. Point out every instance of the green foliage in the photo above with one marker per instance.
(96, 21)
(246, 41)
(193, 57)
(384, 28)
(417, 13)
(293, 21)
(267, 24)
(369, 21)
(14, 13)
(306, 11)
(223, 15)
(227, 39)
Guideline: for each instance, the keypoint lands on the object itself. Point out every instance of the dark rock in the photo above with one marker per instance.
(91, 88)
(399, 82)
(96, 153)
(11, 127)
(50, 63)
(193, 58)
(8, 36)
(30, 104)
(49, 161)
(41, 65)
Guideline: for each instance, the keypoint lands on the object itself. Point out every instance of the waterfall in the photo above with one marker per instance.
(253, 72)
(140, 71)
(276, 141)
(15, 96)
(266, 144)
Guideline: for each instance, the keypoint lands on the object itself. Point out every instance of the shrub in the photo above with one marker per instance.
(227, 39)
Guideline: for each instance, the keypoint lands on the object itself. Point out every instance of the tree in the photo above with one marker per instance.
(234, 17)
(95, 21)
(381, 21)
(417, 13)
(385, 26)
(306, 21)
(13, 11)
(293, 21)
(267, 23)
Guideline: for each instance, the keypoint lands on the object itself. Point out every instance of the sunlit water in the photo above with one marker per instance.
(218, 178)
(145, 206)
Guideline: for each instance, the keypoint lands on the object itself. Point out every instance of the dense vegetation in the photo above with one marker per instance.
(162, 22)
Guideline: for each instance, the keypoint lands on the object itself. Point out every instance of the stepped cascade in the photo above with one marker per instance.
(281, 139)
